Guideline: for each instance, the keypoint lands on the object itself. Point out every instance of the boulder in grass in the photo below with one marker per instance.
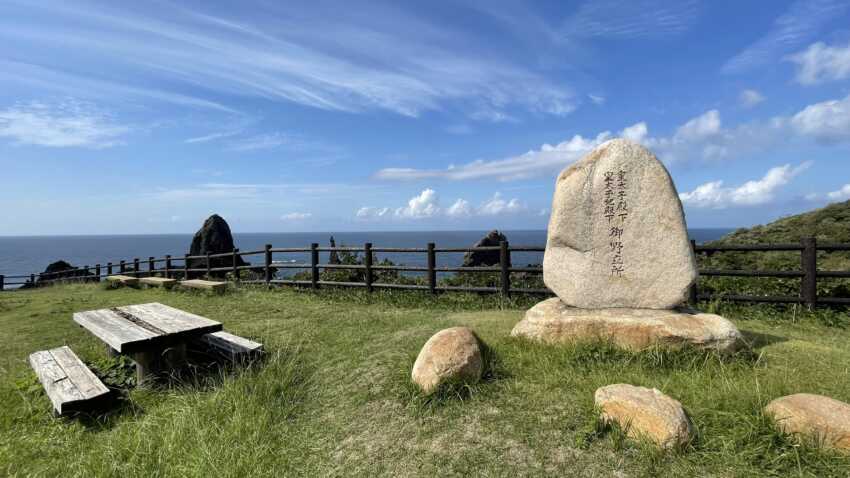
(645, 413)
(816, 417)
(450, 355)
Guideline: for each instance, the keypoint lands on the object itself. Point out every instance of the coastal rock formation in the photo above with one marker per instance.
(485, 258)
(333, 257)
(619, 259)
(617, 235)
(54, 271)
(814, 417)
(552, 321)
(213, 237)
(645, 413)
(449, 355)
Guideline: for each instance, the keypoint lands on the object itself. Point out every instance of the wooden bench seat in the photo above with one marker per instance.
(158, 282)
(204, 284)
(71, 386)
(123, 280)
(232, 347)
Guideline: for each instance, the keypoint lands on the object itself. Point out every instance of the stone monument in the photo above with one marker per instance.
(619, 260)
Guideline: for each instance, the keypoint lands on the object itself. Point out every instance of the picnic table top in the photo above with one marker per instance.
(137, 328)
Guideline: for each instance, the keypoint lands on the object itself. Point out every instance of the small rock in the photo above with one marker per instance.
(815, 416)
(450, 354)
(552, 321)
(485, 258)
(645, 413)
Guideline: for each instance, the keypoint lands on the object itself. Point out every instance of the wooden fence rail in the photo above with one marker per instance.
(807, 248)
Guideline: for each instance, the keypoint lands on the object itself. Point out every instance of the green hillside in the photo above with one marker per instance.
(830, 225)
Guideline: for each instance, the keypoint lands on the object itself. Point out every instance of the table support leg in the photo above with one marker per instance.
(175, 357)
(111, 353)
(145, 366)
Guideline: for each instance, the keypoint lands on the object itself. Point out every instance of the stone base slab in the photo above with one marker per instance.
(552, 321)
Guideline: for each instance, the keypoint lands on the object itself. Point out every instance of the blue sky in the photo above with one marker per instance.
(145, 117)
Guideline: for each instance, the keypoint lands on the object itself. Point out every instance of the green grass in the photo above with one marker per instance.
(333, 398)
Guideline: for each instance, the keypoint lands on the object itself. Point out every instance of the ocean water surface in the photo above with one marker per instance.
(21, 255)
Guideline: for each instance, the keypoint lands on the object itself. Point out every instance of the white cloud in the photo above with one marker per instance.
(755, 192)
(67, 124)
(296, 216)
(802, 20)
(426, 204)
(258, 143)
(841, 194)
(497, 206)
(631, 19)
(636, 132)
(703, 126)
(460, 208)
(827, 121)
(211, 137)
(598, 100)
(820, 63)
(750, 98)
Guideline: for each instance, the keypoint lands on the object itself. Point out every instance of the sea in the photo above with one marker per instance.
(24, 255)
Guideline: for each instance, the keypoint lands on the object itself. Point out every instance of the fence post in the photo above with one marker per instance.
(432, 268)
(235, 267)
(314, 265)
(168, 266)
(809, 263)
(185, 266)
(151, 266)
(367, 261)
(122, 267)
(32, 279)
(209, 266)
(505, 263)
(109, 268)
(136, 267)
(268, 250)
(97, 272)
(2, 281)
(86, 272)
(693, 292)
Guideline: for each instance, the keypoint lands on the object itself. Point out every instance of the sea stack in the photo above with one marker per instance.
(619, 260)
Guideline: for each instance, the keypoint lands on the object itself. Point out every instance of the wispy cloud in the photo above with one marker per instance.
(296, 216)
(258, 143)
(756, 192)
(211, 137)
(750, 98)
(371, 61)
(803, 20)
(69, 123)
(631, 18)
(821, 62)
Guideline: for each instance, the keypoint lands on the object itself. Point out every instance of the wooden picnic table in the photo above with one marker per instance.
(153, 335)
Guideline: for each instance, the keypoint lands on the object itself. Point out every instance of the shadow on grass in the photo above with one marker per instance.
(757, 340)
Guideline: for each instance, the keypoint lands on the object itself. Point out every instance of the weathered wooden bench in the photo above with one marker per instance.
(69, 384)
(158, 282)
(122, 280)
(204, 284)
(232, 347)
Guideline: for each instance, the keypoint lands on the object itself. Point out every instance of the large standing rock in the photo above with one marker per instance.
(552, 321)
(823, 419)
(645, 413)
(485, 258)
(449, 355)
(617, 235)
(213, 237)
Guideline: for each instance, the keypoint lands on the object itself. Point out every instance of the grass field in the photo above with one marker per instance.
(333, 397)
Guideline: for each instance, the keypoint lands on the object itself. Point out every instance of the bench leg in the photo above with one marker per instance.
(111, 353)
(145, 366)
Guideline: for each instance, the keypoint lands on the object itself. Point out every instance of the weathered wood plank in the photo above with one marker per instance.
(158, 282)
(231, 346)
(204, 284)
(69, 384)
(121, 334)
(122, 279)
(171, 320)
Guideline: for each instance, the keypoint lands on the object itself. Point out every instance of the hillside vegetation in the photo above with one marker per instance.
(829, 225)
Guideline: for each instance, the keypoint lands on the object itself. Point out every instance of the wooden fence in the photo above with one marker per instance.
(175, 266)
